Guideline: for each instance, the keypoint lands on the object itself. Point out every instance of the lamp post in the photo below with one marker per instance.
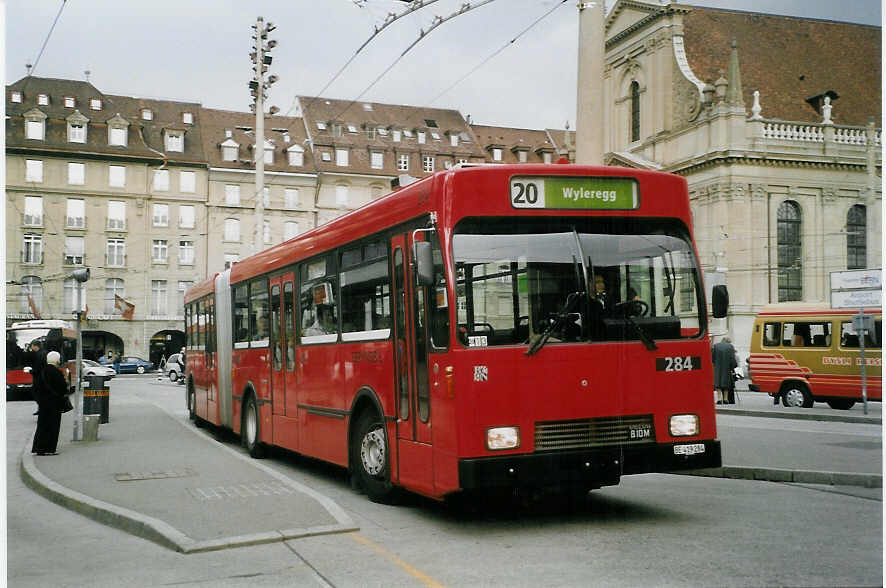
(261, 60)
(81, 276)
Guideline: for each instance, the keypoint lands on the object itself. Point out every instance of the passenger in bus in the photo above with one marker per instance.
(49, 399)
(324, 321)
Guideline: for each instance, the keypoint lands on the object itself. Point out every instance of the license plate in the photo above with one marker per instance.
(689, 449)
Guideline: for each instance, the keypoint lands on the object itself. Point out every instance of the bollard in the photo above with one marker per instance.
(96, 398)
(90, 427)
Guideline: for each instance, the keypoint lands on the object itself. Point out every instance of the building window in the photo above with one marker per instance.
(290, 198)
(113, 289)
(95, 104)
(266, 196)
(116, 253)
(74, 249)
(75, 216)
(33, 211)
(16, 97)
(407, 133)
(326, 156)
(183, 286)
(453, 140)
(266, 232)
(435, 135)
(186, 253)
(77, 173)
(522, 156)
(336, 130)
(321, 125)
(116, 176)
(74, 293)
(32, 249)
(790, 251)
(147, 114)
(34, 129)
(43, 99)
(158, 297)
(175, 141)
(160, 215)
(635, 111)
(32, 295)
(118, 135)
(76, 132)
(341, 157)
(296, 155)
(269, 153)
(231, 259)
(427, 163)
(421, 136)
(403, 162)
(186, 216)
(188, 118)
(377, 159)
(33, 170)
(230, 151)
(546, 157)
(290, 230)
(370, 133)
(856, 238)
(159, 251)
(232, 194)
(232, 229)
(161, 180)
(116, 215)
(341, 195)
(496, 154)
(70, 102)
(187, 181)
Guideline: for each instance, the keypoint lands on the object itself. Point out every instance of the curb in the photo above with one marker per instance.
(795, 476)
(801, 416)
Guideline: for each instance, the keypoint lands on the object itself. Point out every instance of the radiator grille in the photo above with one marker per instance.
(599, 432)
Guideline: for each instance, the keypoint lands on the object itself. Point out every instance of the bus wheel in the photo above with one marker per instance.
(841, 403)
(370, 459)
(796, 395)
(249, 431)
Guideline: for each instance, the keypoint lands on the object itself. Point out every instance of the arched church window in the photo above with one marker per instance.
(856, 238)
(635, 111)
(790, 252)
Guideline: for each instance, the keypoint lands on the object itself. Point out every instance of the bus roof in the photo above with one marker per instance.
(809, 309)
(201, 289)
(474, 184)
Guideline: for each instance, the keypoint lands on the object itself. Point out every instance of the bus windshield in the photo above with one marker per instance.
(577, 280)
(51, 339)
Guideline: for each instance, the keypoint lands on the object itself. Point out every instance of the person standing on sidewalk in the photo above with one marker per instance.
(49, 398)
(723, 356)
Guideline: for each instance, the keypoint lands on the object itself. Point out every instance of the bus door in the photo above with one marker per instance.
(415, 461)
(282, 356)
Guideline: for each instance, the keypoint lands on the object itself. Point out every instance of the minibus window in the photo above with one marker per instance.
(771, 334)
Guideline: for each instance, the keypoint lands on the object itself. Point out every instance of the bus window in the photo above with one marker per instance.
(259, 313)
(849, 336)
(772, 334)
(365, 293)
(317, 306)
(439, 305)
(400, 316)
(277, 356)
(289, 320)
(807, 334)
(241, 316)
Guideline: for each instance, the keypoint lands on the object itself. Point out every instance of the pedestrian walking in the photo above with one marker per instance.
(50, 398)
(723, 356)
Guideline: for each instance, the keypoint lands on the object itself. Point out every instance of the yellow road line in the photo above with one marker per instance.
(416, 573)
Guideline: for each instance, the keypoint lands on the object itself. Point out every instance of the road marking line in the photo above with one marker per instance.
(416, 573)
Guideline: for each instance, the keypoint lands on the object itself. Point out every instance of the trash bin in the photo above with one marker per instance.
(96, 398)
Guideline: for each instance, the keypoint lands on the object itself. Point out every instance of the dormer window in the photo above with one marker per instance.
(95, 104)
(188, 118)
(395, 135)
(70, 102)
(16, 97)
(118, 131)
(43, 99)
(435, 135)
(496, 154)
(174, 140)
(383, 131)
(407, 133)
(431, 123)
(321, 125)
(269, 152)
(326, 156)
(230, 150)
(35, 125)
(147, 114)
(352, 128)
(370, 133)
(421, 137)
(296, 155)
(367, 107)
(77, 125)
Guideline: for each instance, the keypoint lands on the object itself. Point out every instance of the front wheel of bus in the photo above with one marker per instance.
(370, 459)
(250, 431)
(796, 395)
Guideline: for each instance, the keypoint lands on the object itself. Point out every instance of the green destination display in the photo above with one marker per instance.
(563, 192)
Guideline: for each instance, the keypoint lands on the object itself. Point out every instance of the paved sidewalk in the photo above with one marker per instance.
(156, 477)
(760, 404)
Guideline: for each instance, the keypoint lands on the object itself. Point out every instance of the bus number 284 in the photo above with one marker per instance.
(678, 363)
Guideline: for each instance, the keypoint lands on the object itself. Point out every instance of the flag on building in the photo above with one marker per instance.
(127, 309)
(33, 307)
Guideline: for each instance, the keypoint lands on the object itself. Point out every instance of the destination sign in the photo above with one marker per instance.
(563, 192)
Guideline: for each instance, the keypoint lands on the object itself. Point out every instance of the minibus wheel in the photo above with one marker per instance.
(370, 458)
(250, 431)
(794, 394)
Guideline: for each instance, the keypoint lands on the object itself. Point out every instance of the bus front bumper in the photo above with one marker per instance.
(594, 467)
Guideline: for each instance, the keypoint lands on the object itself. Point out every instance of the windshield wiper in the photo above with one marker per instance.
(555, 324)
(625, 308)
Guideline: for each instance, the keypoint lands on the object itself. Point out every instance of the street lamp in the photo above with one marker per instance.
(81, 276)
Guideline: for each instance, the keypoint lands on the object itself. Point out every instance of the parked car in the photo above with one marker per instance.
(130, 364)
(175, 367)
(93, 368)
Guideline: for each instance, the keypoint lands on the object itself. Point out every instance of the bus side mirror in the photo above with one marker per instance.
(424, 263)
(720, 301)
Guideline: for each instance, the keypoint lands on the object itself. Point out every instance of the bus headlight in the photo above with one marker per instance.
(683, 425)
(502, 438)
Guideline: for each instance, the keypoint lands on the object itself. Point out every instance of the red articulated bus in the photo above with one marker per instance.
(490, 326)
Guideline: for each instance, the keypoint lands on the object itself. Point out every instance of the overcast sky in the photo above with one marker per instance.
(197, 50)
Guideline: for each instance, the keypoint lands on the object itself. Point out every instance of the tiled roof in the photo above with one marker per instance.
(511, 141)
(791, 59)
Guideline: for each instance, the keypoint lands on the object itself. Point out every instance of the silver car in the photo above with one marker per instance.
(175, 369)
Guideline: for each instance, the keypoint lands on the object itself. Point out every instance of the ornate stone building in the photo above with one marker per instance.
(772, 129)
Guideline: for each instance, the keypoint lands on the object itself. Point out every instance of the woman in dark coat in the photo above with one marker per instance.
(723, 355)
(49, 398)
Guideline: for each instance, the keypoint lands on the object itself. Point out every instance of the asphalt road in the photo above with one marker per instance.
(652, 530)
